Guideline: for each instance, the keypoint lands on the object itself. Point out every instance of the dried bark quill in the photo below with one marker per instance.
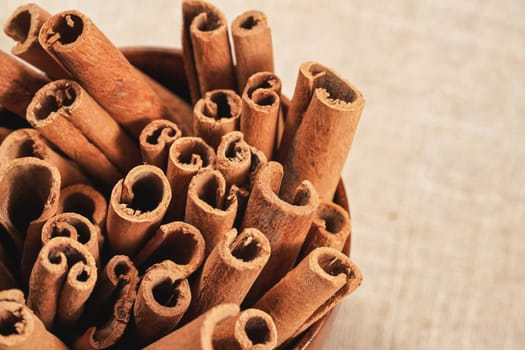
(155, 141)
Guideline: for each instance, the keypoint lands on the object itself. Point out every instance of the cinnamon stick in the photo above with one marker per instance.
(155, 141)
(206, 48)
(65, 115)
(162, 299)
(86, 201)
(114, 295)
(62, 279)
(18, 84)
(322, 278)
(179, 242)
(136, 207)
(22, 329)
(29, 143)
(30, 188)
(250, 329)
(74, 40)
(285, 224)
(209, 207)
(216, 114)
(23, 26)
(331, 227)
(4, 132)
(319, 131)
(236, 261)
(186, 157)
(252, 41)
(234, 159)
(199, 333)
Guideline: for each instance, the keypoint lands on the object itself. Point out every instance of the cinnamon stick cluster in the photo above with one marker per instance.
(132, 218)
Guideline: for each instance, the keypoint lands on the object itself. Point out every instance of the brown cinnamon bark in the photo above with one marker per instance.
(179, 242)
(331, 227)
(30, 188)
(155, 141)
(252, 41)
(14, 295)
(320, 128)
(114, 295)
(199, 333)
(285, 224)
(187, 156)
(206, 49)
(86, 201)
(4, 132)
(29, 143)
(6, 276)
(62, 279)
(322, 278)
(22, 330)
(24, 26)
(236, 261)
(162, 299)
(250, 329)
(215, 115)
(18, 84)
(209, 207)
(136, 208)
(73, 39)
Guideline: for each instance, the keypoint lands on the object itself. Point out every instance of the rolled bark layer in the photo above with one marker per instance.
(23, 330)
(250, 329)
(162, 299)
(114, 295)
(84, 200)
(215, 115)
(321, 124)
(136, 208)
(236, 261)
(62, 279)
(155, 141)
(285, 224)
(74, 40)
(209, 207)
(178, 242)
(23, 26)
(308, 291)
(18, 84)
(29, 143)
(30, 189)
(206, 49)
(199, 333)
(187, 156)
(14, 295)
(252, 41)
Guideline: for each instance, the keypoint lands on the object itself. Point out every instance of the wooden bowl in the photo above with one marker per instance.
(165, 65)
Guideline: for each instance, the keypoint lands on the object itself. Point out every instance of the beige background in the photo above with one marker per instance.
(435, 176)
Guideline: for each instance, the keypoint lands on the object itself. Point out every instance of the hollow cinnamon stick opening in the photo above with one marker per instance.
(30, 188)
(29, 143)
(18, 84)
(302, 295)
(252, 40)
(187, 156)
(236, 261)
(62, 279)
(111, 305)
(84, 200)
(209, 207)
(234, 159)
(74, 40)
(20, 329)
(215, 115)
(155, 141)
(250, 329)
(322, 98)
(284, 223)
(23, 26)
(137, 206)
(199, 333)
(162, 299)
(178, 242)
(206, 49)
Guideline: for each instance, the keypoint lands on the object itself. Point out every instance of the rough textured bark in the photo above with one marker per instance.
(155, 141)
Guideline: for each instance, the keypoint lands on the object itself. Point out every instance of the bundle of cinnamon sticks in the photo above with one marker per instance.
(133, 218)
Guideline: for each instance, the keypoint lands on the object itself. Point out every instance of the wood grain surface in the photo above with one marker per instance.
(436, 176)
